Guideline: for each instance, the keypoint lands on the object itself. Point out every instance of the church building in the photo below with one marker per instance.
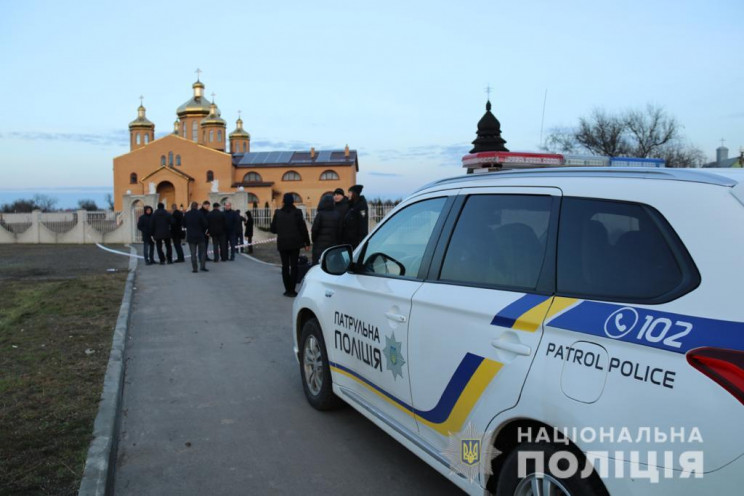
(200, 161)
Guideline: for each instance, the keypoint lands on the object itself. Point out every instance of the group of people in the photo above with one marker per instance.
(339, 220)
(224, 228)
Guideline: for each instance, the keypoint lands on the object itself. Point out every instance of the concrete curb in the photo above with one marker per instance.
(100, 464)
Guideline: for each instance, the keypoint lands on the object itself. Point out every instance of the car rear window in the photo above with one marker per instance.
(620, 251)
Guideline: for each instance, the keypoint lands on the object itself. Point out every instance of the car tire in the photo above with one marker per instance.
(510, 484)
(314, 368)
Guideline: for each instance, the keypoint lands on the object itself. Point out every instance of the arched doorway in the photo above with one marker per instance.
(166, 193)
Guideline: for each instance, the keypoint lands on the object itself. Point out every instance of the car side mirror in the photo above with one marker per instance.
(336, 260)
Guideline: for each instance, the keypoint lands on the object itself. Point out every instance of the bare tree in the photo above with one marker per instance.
(44, 203)
(636, 133)
(650, 130)
(678, 154)
(89, 205)
(109, 201)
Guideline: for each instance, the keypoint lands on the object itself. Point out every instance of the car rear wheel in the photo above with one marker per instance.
(538, 479)
(314, 368)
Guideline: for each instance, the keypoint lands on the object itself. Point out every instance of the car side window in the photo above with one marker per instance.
(499, 240)
(620, 251)
(397, 247)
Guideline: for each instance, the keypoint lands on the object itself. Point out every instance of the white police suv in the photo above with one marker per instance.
(554, 331)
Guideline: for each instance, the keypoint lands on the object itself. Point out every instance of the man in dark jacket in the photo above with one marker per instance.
(249, 230)
(177, 232)
(340, 203)
(356, 222)
(217, 232)
(233, 227)
(291, 234)
(196, 228)
(143, 224)
(160, 226)
(326, 228)
(204, 210)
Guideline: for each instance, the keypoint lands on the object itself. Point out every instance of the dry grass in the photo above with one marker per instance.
(57, 313)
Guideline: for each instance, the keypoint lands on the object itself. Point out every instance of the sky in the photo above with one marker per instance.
(402, 82)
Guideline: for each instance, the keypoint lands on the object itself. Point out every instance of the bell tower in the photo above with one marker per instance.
(141, 130)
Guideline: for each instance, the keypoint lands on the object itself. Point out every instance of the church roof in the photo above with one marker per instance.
(489, 134)
(330, 158)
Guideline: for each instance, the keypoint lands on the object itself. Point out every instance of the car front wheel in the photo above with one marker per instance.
(314, 368)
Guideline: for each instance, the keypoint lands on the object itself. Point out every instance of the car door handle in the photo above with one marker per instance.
(396, 317)
(518, 348)
(329, 293)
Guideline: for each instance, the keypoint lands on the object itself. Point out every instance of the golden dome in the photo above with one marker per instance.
(198, 104)
(141, 120)
(239, 131)
(214, 117)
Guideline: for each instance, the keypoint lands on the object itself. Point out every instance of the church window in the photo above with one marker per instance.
(244, 147)
(211, 135)
(133, 178)
(252, 177)
(147, 138)
(162, 160)
(210, 176)
(297, 198)
(291, 176)
(137, 138)
(170, 158)
(329, 175)
(183, 129)
(195, 131)
(178, 160)
(219, 136)
(252, 199)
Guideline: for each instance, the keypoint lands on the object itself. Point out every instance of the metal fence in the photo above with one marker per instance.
(262, 216)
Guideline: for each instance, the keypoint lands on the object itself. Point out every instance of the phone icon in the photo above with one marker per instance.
(620, 322)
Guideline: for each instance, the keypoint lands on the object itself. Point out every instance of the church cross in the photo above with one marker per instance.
(198, 73)
(488, 91)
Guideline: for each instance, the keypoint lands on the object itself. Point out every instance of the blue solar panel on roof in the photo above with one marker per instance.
(286, 157)
(324, 156)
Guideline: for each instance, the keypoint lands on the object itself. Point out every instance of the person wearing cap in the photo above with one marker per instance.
(218, 232)
(356, 221)
(291, 235)
(143, 224)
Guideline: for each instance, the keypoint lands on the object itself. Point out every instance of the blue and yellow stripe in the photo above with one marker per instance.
(528, 312)
(463, 391)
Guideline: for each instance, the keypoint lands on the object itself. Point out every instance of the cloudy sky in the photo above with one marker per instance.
(402, 82)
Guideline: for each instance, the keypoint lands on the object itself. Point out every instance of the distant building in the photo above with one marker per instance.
(723, 160)
(193, 164)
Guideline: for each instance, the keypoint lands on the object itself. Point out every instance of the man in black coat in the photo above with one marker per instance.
(233, 227)
(143, 224)
(218, 233)
(177, 232)
(248, 235)
(356, 222)
(160, 224)
(326, 230)
(196, 228)
(291, 234)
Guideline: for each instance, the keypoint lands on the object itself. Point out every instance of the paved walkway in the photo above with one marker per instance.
(213, 402)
